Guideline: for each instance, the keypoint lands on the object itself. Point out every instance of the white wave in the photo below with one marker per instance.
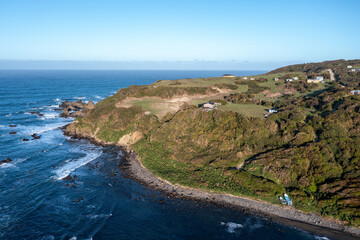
(113, 92)
(79, 97)
(42, 129)
(98, 97)
(57, 99)
(321, 238)
(52, 106)
(7, 165)
(8, 115)
(50, 115)
(73, 238)
(2, 126)
(232, 226)
(91, 216)
(69, 167)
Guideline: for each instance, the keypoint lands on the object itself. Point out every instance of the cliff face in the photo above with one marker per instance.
(309, 149)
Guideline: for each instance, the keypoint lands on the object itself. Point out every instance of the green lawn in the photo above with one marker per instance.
(250, 110)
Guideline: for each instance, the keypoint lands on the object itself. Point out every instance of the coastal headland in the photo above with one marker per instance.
(243, 141)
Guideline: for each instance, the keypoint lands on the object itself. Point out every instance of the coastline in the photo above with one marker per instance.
(310, 222)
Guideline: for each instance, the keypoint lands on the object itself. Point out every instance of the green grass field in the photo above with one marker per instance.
(250, 110)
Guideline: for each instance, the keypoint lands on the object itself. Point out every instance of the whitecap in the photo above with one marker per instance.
(52, 106)
(231, 227)
(73, 238)
(79, 97)
(321, 238)
(42, 129)
(8, 115)
(69, 167)
(91, 216)
(51, 115)
(98, 97)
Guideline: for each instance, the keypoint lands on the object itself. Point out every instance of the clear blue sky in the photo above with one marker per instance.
(273, 32)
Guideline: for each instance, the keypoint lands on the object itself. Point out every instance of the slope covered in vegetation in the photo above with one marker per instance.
(310, 148)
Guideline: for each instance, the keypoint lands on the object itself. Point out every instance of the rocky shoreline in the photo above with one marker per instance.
(310, 222)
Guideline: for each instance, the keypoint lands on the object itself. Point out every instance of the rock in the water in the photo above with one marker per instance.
(12, 133)
(25, 139)
(68, 178)
(5, 161)
(35, 136)
(12, 125)
(37, 113)
(65, 113)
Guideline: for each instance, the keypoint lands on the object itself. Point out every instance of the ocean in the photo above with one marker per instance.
(102, 203)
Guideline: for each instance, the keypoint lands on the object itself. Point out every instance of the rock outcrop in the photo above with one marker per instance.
(75, 109)
(8, 160)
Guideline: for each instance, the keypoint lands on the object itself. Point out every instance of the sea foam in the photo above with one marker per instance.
(71, 166)
(232, 226)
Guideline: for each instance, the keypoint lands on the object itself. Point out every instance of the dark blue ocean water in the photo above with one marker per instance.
(35, 204)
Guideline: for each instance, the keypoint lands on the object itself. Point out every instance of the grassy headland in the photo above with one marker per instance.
(310, 148)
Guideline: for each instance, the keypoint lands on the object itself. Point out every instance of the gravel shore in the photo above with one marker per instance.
(284, 214)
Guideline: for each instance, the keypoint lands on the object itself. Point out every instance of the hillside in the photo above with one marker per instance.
(309, 147)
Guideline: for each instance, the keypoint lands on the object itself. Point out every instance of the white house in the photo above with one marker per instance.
(273, 110)
(320, 78)
(276, 79)
(289, 80)
(295, 78)
(349, 66)
(209, 105)
(252, 79)
(353, 70)
(244, 78)
(355, 92)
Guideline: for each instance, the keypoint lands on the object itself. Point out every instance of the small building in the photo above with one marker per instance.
(276, 79)
(355, 92)
(349, 66)
(209, 106)
(289, 80)
(252, 79)
(228, 75)
(245, 78)
(295, 78)
(272, 110)
(320, 78)
(313, 81)
(353, 70)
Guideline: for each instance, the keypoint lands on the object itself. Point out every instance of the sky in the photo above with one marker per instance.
(159, 34)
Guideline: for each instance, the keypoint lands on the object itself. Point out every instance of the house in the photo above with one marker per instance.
(276, 79)
(289, 80)
(313, 81)
(272, 110)
(252, 79)
(353, 70)
(355, 92)
(349, 66)
(320, 78)
(209, 106)
(295, 78)
(228, 75)
(244, 78)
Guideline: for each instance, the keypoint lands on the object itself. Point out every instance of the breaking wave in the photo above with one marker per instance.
(231, 227)
(69, 167)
